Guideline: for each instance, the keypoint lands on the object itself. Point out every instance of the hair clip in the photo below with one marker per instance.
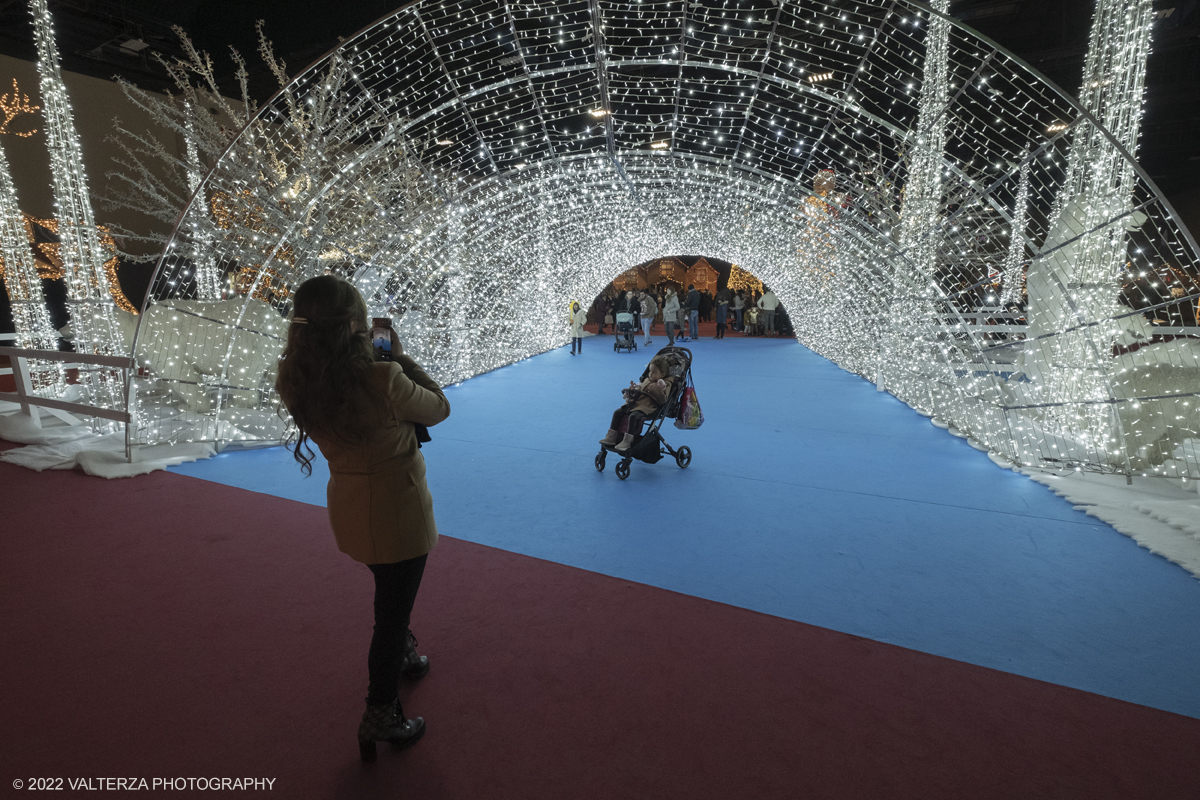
(299, 321)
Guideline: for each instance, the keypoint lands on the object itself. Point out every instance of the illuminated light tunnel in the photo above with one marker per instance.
(898, 179)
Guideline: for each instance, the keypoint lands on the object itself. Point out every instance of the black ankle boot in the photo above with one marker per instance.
(415, 666)
(386, 723)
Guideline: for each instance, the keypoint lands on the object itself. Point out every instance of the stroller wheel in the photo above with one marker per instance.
(683, 457)
(623, 469)
(600, 460)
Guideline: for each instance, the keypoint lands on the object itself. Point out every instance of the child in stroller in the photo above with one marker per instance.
(670, 372)
(626, 326)
(641, 401)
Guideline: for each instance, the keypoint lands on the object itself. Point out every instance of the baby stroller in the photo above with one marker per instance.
(650, 447)
(626, 339)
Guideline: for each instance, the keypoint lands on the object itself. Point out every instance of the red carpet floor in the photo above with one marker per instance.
(169, 627)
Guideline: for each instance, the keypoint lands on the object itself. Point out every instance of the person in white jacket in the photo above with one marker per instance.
(578, 318)
(739, 306)
(767, 304)
(671, 314)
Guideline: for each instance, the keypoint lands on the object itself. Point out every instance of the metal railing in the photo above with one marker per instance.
(30, 402)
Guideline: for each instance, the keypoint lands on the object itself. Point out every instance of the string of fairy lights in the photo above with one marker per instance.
(895, 179)
(13, 105)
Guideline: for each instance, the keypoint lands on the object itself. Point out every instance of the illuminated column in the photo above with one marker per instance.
(923, 186)
(208, 276)
(1078, 284)
(88, 283)
(1012, 274)
(1099, 180)
(31, 318)
(919, 215)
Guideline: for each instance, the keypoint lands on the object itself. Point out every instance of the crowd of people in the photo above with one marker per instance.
(679, 311)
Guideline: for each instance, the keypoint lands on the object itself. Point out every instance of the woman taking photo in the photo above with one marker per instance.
(363, 414)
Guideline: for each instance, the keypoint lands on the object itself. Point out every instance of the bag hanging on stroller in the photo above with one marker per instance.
(690, 415)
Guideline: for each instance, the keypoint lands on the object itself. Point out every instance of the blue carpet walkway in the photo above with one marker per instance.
(811, 497)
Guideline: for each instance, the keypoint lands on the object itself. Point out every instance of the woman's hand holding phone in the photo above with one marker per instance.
(386, 342)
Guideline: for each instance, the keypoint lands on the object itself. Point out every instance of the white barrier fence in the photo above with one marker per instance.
(30, 402)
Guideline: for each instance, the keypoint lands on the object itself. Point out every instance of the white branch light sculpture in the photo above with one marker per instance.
(472, 166)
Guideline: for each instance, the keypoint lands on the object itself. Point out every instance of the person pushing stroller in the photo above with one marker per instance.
(641, 401)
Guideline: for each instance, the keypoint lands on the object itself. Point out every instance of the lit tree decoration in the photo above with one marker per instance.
(1099, 185)
(1012, 275)
(472, 166)
(1075, 289)
(14, 105)
(740, 279)
(24, 285)
(207, 122)
(916, 232)
(208, 274)
(923, 187)
(273, 177)
(89, 283)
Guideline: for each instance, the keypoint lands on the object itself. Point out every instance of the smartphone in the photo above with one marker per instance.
(381, 338)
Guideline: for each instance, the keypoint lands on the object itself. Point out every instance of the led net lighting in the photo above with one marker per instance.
(473, 166)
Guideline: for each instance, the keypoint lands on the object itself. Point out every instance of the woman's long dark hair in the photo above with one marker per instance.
(324, 375)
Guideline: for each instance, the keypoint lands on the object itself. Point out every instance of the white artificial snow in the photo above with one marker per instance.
(1160, 514)
(57, 445)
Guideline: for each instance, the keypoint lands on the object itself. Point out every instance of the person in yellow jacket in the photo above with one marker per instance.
(363, 415)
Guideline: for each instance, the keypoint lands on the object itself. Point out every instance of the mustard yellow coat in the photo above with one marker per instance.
(379, 506)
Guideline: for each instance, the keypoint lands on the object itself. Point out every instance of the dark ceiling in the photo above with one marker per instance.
(96, 37)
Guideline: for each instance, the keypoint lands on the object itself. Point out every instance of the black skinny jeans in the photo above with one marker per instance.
(396, 588)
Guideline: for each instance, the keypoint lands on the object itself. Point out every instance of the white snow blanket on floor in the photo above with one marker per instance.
(57, 445)
(1181, 514)
(1157, 513)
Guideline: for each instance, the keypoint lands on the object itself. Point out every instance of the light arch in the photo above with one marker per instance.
(476, 164)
